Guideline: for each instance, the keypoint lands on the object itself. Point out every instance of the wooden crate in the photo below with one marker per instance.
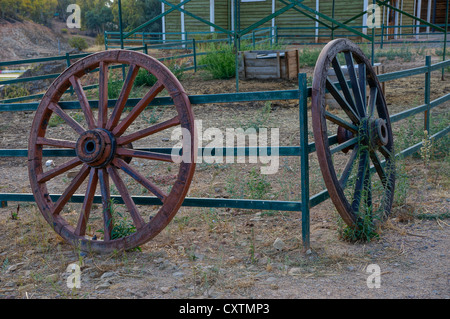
(273, 64)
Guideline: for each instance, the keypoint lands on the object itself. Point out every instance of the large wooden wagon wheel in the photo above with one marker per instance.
(103, 147)
(359, 172)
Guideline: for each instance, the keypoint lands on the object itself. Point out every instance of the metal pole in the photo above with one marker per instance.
(121, 36)
(304, 158)
(120, 24)
(427, 94)
(445, 37)
(373, 37)
(236, 50)
(194, 51)
(332, 24)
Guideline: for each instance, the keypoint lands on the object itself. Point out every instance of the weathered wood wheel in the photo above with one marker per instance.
(363, 128)
(104, 151)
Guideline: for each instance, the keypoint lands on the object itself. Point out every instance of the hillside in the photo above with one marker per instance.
(21, 40)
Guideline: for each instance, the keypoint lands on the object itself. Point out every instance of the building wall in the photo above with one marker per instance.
(254, 11)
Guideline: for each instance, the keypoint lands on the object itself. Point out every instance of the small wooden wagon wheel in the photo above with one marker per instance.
(358, 173)
(104, 151)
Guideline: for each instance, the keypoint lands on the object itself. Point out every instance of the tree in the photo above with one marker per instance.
(136, 13)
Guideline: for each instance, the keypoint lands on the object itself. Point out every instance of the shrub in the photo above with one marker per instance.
(100, 39)
(14, 90)
(144, 78)
(308, 57)
(64, 31)
(114, 87)
(78, 43)
(220, 63)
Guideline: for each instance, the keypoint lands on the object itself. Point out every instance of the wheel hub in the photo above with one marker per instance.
(374, 134)
(96, 147)
(378, 132)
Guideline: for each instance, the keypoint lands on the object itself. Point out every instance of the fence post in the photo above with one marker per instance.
(427, 94)
(253, 39)
(382, 36)
(146, 48)
(276, 34)
(105, 38)
(304, 158)
(194, 50)
(68, 64)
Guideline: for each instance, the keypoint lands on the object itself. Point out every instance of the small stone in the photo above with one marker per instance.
(278, 244)
(165, 289)
(159, 260)
(13, 268)
(52, 278)
(178, 274)
(295, 271)
(103, 285)
(49, 163)
(28, 287)
(108, 274)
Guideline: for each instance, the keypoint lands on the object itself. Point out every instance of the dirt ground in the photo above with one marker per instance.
(231, 253)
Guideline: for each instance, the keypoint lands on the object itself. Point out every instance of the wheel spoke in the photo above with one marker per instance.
(138, 108)
(361, 181)
(372, 101)
(103, 94)
(344, 145)
(148, 131)
(71, 189)
(106, 203)
(348, 168)
(369, 189)
(44, 177)
(66, 117)
(140, 179)
(343, 83)
(84, 103)
(354, 82)
(348, 109)
(137, 219)
(378, 167)
(337, 120)
(55, 143)
(87, 203)
(362, 84)
(127, 152)
(123, 97)
(386, 153)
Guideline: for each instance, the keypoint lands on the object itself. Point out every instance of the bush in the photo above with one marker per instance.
(144, 78)
(78, 43)
(100, 39)
(221, 63)
(308, 57)
(14, 91)
(64, 31)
